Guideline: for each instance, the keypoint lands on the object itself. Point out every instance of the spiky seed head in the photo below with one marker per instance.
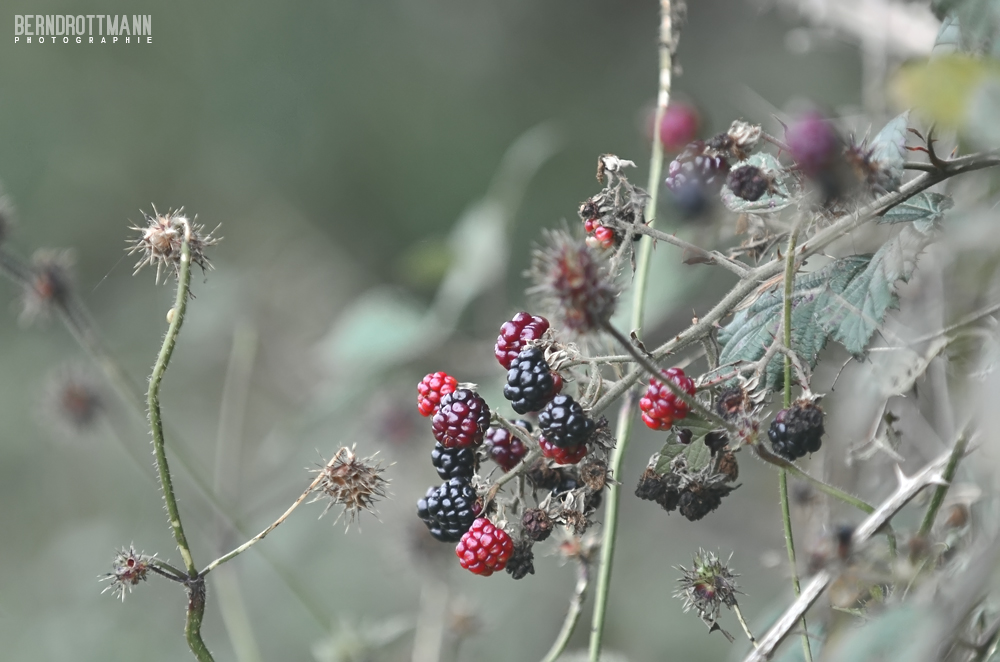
(352, 482)
(48, 284)
(160, 241)
(707, 585)
(127, 570)
(571, 279)
(72, 401)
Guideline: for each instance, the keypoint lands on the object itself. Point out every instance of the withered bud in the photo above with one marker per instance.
(355, 484)
(543, 477)
(727, 466)
(160, 242)
(741, 139)
(537, 524)
(73, 401)
(594, 474)
(699, 499)
(48, 285)
(127, 570)
(571, 279)
(521, 562)
(716, 441)
(707, 586)
(731, 403)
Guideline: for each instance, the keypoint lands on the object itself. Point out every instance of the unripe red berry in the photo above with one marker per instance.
(564, 455)
(485, 548)
(515, 334)
(431, 389)
(660, 407)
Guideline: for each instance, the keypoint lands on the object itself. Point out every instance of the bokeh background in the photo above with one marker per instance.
(380, 171)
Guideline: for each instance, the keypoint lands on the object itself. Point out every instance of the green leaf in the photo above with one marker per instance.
(775, 200)
(852, 317)
(696, 453)
(923, 210)
(847, 301)
(889, 148)
(753, 329)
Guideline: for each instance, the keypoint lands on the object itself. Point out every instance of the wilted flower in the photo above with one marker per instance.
(128, 569)
(160, 241)
(73, 401)
(571, 279)
(47, 285)
(707, 586)
(350, 482)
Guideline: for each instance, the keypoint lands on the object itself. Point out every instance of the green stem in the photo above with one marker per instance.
(625, 416)
(942, 490)
(786, 516)
(572, 615)
(195, 615)
(153, 402)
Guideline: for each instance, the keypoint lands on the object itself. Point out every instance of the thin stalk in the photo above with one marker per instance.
(625, 416)
(786, 516)
(263, 534)
(743, 624)
(942, 490)
(153, 402)
(573, 614)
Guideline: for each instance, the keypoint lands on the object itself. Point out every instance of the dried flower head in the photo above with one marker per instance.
(72, 401)
(707, 586)
(161, 239)
(352, 482)
(571, 279)
(128, 569)
(47, 285)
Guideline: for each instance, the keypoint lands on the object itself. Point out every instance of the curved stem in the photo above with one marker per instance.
(627, 413)
(153, 402)
(573, 614)
(195, 615)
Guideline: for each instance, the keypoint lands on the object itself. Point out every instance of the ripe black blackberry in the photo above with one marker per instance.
(462, 419)
(449, 509)
(564, 423)
(798, 430)
(530, 381)
(748, 182)
(521, 562)
(697, 164)
(457, 462)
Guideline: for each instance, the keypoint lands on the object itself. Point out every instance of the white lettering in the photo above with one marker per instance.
(147, 20)
(149, 40)
(90, 24)
(60, 25)
(78, 40)
(18, 25)
(123, 25)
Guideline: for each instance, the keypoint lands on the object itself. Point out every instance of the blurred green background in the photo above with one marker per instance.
(338, 144)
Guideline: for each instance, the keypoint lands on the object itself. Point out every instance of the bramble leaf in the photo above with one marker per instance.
(922, 210)
(846, 300)
(697, 454)
(889, 148)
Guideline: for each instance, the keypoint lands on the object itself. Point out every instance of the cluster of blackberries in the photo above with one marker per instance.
(694, 495)
(797, 431)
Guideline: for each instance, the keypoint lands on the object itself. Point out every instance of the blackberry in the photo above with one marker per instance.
(461, 419)
(560, 454)
(748, 182)
(697, 164)
(796, 431)
(537, 524)
(449, 509)
(515, 333)
(660, 407)
(530, 382)
(431, 389)
(504, 448)
(678, 126)
(484, 548)
(813, 143)
(521, 562)
(661, 489)
(699, 500)
(564, 423)
(459, 462)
